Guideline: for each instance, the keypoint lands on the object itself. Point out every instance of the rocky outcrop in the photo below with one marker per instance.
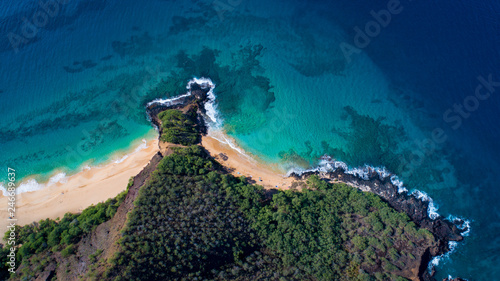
(105, 235)
(417, 209)
(196, 95)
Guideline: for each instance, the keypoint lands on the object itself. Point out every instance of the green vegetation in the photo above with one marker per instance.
(4, 267)
(183, 223)
(191, 221)
(328, 230)
(236, 72)
(68, 251)
(179, 128)
(41, 238)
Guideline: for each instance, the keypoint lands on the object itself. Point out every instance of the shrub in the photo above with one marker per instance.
(179, 128)
(69, 250)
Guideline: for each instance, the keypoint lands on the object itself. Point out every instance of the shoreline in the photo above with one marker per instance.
(78, 191)
(255, 170)
(38, 181)
(101, 183)
(63, 194)
(417, 205)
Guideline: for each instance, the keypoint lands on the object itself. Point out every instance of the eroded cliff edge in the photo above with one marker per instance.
(95, 254)
(416, 208)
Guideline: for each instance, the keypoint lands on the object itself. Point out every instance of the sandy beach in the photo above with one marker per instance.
(242, 165)
(101, 183)
(79, 191)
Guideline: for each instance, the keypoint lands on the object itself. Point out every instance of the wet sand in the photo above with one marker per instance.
(79, 191)
(98, 184)
(242, 165)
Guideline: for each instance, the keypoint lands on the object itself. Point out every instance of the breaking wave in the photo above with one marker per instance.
(452, 245)
(328, 164)
(432, 209)
(212, 117)
(142, 146)
(170, 101)
(30, 185)
(214, 121)
(461, 223)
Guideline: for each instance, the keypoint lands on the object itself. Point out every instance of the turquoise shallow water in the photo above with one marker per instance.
(74, 93)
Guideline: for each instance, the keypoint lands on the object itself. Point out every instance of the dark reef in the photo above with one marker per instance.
(198, 95)
(402, 202)
(417, 209)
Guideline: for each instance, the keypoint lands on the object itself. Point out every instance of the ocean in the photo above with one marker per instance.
(406, 85)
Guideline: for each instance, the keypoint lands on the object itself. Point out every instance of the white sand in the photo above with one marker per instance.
(266, 175)
(79, 191)
(101, 183)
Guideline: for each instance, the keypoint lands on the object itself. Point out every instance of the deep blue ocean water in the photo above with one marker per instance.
(75, 76)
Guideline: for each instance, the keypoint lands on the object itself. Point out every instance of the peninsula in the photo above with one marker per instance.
(202, 210)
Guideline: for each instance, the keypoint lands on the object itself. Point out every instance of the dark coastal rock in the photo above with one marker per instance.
(416, 208)
(106, 58)
(198, 94)
(80, 66)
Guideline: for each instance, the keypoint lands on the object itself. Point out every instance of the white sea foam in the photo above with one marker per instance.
(211, 109)
(432, 209)
(214, 122)
(210, 105)
(360, 172)
(221, 137)
(461, 223)
(452, 245)
(399, 183)
(450, 278)
(203, 82)
(142, 146)
(328, 164)
(121, 159)
(170, 101)
(212, 117)
(26, 186)
(58, 178)
(382, 172)
(30, 185)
